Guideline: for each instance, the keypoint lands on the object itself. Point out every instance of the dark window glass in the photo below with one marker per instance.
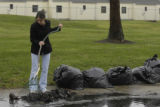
(124, 11)
(59, 9)
(11, 6)
(145, 8)
(103, 9)
(35, 8)
(84, 7)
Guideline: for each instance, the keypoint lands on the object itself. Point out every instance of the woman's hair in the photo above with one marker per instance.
(41, 14)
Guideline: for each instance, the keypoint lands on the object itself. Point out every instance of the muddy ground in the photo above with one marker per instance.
(119, 92)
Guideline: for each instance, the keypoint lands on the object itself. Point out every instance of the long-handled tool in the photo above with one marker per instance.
(36, 74)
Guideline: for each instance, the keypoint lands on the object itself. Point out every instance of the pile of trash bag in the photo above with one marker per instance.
(120, 76)
(95, 78)
(150, 72)
(68, 77)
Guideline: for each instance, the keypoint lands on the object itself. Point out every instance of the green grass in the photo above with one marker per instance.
(75, 45)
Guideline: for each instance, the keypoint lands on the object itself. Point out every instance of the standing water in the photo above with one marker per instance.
(92, 101)
(145, 96)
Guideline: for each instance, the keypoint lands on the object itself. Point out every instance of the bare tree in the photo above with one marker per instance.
(115, 30)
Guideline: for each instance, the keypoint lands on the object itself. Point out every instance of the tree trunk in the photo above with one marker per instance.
(115, 30)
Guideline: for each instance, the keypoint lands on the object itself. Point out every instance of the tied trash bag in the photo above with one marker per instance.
(68, 77)
(150, 72)
(95, 78)
(120, 76)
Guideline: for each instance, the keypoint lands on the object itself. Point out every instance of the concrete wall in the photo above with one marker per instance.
(75, 11)
(93, 11)
(102, 16)
(41, 5)
(141, 14)
(78, 13)
(128, 15)
(18, 8)
(4, 8)
(65, 10)
(157, 12)
(21, 8)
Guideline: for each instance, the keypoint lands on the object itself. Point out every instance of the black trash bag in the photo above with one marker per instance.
(120, 76)
(152, 62)
(142, 75)
(150, 72)
(95, 78)
(68, 77)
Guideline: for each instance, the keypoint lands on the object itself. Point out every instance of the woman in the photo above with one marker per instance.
(39, 29)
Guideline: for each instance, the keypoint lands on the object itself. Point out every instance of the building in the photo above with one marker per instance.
(83, 9)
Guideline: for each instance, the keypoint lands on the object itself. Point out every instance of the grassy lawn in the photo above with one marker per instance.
(74, 46)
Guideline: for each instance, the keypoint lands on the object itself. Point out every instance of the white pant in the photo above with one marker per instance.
(33, 83)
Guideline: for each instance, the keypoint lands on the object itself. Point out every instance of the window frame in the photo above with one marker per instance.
(59, 9)
(103, 9)
(145, 9)
(124, 10)
(34, 8)
(11, 6)
(84, 7)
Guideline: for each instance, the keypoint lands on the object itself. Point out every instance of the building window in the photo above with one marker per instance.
(11, 6)
(103, 9)
(124, 11)
(59, 9)
(34, 8)
(145, 9)
(84, 7)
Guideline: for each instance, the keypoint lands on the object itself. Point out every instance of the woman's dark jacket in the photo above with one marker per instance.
(37, 34)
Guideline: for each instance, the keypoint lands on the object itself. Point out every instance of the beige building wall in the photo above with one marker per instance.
(75, 11)
(41, 5)
(157, 12)
(93, 11)
(78, 13)
(65, 10)
(4, 8)
(21, 8)
(102, 16)
(141, 14)
(128, 15)
(18, 8)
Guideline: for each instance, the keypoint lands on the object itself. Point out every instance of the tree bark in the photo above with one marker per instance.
(115, 30)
